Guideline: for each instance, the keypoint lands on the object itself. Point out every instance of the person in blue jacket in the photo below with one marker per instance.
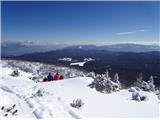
(50, 77)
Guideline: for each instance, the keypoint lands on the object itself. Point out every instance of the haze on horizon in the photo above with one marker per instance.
(74, 23)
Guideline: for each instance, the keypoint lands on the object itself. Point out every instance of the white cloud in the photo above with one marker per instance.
(130, 32)
(124, 33)
(88, 42)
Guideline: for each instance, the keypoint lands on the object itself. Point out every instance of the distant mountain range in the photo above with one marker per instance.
(127, 64)
(19, 48)
(126, 59)
(119, 47)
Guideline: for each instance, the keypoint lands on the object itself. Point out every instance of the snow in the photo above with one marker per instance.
(57, 96)
(65, 59)
(81, 64)
(78, 63)
(88, 59)
(117, 104)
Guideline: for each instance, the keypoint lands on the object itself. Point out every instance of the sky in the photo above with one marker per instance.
(80, 22)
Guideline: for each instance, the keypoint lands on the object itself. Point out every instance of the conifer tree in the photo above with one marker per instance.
(116, 80)
(151, 83)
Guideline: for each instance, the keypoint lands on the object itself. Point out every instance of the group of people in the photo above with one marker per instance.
(57, 76)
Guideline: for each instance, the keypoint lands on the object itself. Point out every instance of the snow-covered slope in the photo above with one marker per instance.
(118, 104)
(78, 63)
(53, 99)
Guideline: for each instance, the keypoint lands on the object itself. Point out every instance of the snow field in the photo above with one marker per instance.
(58, 95)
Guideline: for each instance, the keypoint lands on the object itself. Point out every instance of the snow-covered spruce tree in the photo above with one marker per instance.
(107, 83)
(104, 83)
(108, 86)
(111, 85)
(98, 81)
(106, 75)
(151, 84)
(139, 81)
(143, 85)
(116, 80)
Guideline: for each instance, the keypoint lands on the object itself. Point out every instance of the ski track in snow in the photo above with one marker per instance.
(38, 105)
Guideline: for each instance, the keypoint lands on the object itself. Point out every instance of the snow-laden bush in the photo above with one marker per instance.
(92, 75)
(9, 111)
(41, 70)
(99, 79)
(111, 85)
(136, 96)
(69, 74)
(103, 83)
(108, 87)
(38, 93)
(146, 86)
(77, 103)
(15, 73)
(34, 78)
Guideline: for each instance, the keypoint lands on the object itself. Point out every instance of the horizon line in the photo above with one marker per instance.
(49, 43)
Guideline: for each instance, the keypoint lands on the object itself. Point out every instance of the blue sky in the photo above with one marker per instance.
(81, 22)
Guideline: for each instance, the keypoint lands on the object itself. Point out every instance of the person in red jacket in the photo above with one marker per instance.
(57, 76)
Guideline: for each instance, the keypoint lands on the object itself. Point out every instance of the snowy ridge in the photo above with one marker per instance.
(53, 99)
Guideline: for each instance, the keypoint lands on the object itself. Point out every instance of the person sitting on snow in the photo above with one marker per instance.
(57, 76)
(61, 77)
(50, 77)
